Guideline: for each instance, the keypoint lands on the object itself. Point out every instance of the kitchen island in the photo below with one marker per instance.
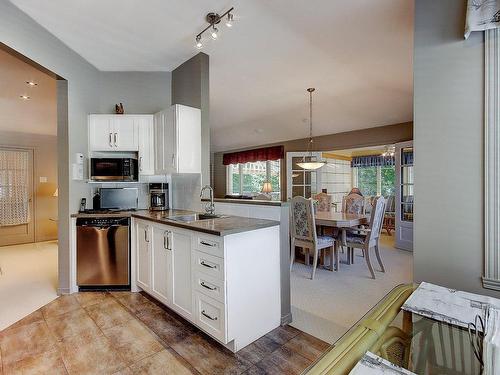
(222, 274)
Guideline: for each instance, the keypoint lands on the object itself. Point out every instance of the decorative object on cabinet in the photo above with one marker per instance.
(119, 109)
(214, 19)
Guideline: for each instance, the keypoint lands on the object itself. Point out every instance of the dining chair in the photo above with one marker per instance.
(353, 203)
(368, 238)
(324, 202)
(303, 233)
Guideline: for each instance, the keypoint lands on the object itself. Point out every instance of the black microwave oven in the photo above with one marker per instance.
(113, 169)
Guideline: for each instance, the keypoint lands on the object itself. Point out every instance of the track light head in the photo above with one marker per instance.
(199, 43)
(229, 21)
(214, 33)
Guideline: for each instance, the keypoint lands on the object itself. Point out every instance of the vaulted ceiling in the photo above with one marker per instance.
(357, 53)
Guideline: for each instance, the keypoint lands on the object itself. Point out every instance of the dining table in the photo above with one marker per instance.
(342, 221)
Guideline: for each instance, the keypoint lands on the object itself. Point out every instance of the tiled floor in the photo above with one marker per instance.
(128, 333)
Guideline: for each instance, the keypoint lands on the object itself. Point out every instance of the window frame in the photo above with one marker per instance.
(229, 179)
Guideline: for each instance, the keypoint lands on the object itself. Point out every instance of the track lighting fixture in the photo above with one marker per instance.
(214, 19)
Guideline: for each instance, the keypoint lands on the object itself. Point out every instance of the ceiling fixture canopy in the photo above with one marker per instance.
(310, 162)
(389, 151)
(214, 19)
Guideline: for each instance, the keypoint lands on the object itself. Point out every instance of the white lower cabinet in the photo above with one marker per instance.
(182, 296)
(143, 234)
(210, 280)
(161, 287)
(211, 316)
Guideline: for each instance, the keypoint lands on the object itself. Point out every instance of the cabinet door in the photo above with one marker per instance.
(125, 133)
(158, 139)
(188, 133)
(182, 297)
(143, 262)
(100, 133)
(170, 141)
(162, 265)
(146, 146)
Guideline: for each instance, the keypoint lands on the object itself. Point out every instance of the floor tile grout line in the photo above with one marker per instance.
(165, 345)
(102, 332)
(57, 346)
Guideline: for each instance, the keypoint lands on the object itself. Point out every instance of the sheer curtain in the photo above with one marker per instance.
(14, 184)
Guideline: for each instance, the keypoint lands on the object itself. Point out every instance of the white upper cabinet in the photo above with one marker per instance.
(146, 145)
(113, 133)
(178, 140)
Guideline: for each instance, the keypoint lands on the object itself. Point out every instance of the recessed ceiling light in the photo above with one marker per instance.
(24, 97)
(31, 83)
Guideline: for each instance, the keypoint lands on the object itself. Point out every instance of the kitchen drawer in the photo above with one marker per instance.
(208, 264)
(210, 316)
(210, 244)
(209, 286)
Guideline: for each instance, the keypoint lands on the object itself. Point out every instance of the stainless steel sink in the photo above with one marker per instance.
(194, 217)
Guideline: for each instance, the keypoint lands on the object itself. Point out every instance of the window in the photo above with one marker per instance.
(375, 180)
(249, 178)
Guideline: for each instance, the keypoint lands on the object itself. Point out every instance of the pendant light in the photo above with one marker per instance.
(313, 162)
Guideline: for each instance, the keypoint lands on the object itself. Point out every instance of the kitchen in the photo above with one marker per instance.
(194, 263)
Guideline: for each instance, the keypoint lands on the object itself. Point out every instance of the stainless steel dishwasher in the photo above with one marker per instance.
(103, 252)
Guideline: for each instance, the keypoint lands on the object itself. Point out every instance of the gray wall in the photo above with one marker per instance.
(190, 86)
(377, 136)
(448, 126)
(88, 91)
(140, 92)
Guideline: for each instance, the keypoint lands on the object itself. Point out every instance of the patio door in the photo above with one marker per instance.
(404, 196)
(301, 182)
(16, 196)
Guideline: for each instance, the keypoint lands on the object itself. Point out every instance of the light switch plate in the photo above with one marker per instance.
(43, 179)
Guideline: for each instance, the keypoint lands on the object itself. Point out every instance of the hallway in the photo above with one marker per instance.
(28, 279)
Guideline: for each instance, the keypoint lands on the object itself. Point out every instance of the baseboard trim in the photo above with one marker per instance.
(489, 283)
(61, 291)
(286, 319)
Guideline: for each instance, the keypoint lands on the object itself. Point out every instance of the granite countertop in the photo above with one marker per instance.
(223, 226)
(247, 201)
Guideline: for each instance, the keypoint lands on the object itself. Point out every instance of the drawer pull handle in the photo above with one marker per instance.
(207, 316)
(206, 286)
(207, 243)
(207, 265)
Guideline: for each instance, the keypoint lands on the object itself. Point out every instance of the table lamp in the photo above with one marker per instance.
(267, 188)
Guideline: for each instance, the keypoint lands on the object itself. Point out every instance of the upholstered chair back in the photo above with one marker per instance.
(302, 219)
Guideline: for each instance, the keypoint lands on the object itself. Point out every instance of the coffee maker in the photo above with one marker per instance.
(158, 193)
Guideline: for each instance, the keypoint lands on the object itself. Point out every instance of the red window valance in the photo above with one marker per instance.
(258, 154)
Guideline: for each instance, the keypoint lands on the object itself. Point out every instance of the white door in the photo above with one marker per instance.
(162, 265)
(101, 137)
(125, 133)
(146, 146)
(404, 196)
(143, 236)
(180, 244)
(301, 182)
(16, 196)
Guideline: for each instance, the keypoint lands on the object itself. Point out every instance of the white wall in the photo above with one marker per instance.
(336, 177)
(448, 127)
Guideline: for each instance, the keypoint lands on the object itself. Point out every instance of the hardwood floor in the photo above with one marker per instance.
(130, 333)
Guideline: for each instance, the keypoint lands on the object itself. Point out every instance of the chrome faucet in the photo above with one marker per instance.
(209, 207)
